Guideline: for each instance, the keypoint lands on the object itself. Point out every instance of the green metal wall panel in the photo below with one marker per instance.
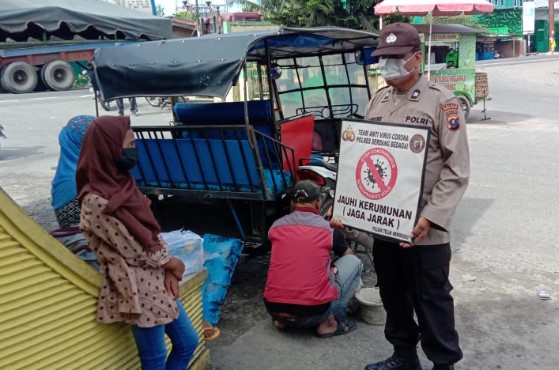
(541, 41)
(503, 22)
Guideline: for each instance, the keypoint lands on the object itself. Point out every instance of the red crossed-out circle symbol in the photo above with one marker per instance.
(376, 173)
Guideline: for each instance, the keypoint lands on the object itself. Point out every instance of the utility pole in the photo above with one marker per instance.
(198, 21)
(551, 25)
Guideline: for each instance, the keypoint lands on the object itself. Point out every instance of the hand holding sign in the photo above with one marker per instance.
(419, 232)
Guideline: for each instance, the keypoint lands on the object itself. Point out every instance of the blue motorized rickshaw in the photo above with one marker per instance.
(226, 166)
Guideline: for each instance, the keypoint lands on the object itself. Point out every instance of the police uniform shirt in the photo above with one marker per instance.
(447, 167)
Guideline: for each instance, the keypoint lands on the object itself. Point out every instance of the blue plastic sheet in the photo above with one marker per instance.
(225, 255)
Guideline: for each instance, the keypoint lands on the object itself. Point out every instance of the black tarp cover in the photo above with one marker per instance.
(90, 19)
(209, 65)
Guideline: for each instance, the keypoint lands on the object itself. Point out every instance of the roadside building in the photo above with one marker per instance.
(516, 27)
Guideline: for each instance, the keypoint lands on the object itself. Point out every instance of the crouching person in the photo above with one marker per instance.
(304, 288)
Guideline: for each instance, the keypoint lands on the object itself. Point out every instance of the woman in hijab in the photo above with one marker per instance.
(63, 190)
(64, 193)
(141, 281)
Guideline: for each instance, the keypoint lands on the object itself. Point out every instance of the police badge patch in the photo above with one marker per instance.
(451, 111)
(452, 122)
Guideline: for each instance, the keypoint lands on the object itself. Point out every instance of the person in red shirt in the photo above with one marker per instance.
(304, 288)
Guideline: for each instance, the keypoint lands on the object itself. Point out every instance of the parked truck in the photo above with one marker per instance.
(24, 65)
(39, 39)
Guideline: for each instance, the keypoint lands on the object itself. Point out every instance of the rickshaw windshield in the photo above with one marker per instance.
(330, 86)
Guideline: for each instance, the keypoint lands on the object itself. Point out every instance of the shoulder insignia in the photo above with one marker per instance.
(380, 93)
(451, 112)
(450, 107)
(452, 122)
(386, 95)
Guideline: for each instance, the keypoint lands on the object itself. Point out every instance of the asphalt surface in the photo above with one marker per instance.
(505, 232)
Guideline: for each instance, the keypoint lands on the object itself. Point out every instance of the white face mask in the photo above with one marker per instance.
(393, 68)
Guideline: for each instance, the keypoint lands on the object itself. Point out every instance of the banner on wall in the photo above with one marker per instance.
(380, 177)
(528, 17)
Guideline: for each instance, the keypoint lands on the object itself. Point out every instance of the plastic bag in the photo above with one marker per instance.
(222, 257)
(188, 247)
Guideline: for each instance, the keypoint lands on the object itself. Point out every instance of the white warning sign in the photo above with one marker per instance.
(380, 177)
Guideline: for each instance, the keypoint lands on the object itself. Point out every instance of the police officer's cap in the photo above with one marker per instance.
(398, 39)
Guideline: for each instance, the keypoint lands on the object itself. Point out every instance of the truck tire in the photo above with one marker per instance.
(58, 75)
(18, 78)
(465, 103)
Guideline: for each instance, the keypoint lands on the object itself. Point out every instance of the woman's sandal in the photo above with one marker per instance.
(344, 326)
(211, 332)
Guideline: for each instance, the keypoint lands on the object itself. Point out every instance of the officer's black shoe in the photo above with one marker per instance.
(443, 367)
(401, 359)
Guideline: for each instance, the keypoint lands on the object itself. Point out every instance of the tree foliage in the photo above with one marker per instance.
(357, 14)
(189, 16)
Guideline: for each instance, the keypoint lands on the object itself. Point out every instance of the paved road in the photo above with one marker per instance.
(505, 234)
(29, 156)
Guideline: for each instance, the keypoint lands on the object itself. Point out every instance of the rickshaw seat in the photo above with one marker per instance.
(227, 113)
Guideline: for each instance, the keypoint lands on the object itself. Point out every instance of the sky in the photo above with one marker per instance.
(170, 5)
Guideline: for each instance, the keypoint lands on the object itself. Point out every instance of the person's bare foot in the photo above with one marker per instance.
(328, 326)
(332, 327)
(279, 325)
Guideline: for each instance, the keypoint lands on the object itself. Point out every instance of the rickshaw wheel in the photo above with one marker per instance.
(106, 105)
(326, 202)
(465, 105)
(154, 101)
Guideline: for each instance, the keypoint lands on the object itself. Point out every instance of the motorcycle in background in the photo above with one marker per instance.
(163, 101)
(322, 172)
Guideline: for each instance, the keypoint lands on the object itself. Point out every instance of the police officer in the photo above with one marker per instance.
(414, 277)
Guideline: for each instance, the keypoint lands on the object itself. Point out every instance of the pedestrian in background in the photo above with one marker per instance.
(414, 277)
(133, 106)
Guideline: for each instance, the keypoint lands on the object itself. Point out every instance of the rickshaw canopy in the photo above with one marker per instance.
(210, 65)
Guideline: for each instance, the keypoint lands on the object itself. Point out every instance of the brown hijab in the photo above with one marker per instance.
(97, 173)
